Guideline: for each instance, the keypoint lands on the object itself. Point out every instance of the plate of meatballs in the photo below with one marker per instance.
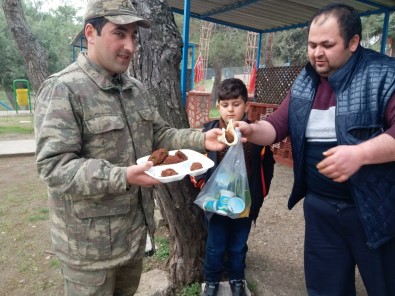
(174, 165)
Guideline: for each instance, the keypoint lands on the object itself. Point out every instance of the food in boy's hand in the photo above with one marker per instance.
(196, 166)
(172, 159)
(168, 172)
(158, 156)
(181, 155)
(228, 135)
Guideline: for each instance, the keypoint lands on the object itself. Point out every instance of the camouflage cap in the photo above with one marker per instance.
(119, 12)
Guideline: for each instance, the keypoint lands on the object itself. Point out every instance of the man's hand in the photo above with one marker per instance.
(341, 162)
(210, 140)
(244, 128)
(260, 132)
(136, 175)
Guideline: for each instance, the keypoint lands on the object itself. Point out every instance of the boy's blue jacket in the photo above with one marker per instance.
(262, 167)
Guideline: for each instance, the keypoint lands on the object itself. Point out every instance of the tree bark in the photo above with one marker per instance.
(217, 81)
(157, 65)
(34, 55)
(269, 50)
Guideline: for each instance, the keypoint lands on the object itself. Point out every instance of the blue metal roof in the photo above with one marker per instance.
(265, 16)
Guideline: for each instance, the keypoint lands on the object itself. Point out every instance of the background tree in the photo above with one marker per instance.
(34, 55)
(44, 39)
(372, 28)
(227, 49)
(157, 65)
(290, 47)
(11, 63)
(267, 54)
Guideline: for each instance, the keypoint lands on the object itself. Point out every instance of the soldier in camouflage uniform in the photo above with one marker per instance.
(92, 122)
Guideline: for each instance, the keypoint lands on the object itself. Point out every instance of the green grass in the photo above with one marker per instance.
(191, 290)
(163, 250)
(16, 130)
(214, 113)
(54, 262)
(43, 214)
(252, 287)
(20, 124)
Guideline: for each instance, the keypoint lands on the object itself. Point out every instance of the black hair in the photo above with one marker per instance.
(232, 88)
(347, 17)
(97, 23)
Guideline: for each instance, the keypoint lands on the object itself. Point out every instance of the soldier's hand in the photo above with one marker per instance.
(136, 175)
(211, 142)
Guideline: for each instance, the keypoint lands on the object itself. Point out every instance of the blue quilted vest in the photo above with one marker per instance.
(363, 87)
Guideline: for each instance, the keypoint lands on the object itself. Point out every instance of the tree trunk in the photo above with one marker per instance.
(10, 97)
(217, 81)
(157, 65)
(269, 50)
(34, 55)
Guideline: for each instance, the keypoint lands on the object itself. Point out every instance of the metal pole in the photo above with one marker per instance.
(258, 58)
(385, 32)
(184, 66)
(191, 45)
(258, 54)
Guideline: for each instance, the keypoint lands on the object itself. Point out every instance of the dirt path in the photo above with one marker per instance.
(26, 265)
(274, 260)
(275, 256)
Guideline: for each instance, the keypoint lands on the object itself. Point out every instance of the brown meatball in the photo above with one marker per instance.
(181, 155)
(172, 159)
(168, 172)
(158, 156)
(229, 136)
(196, 166)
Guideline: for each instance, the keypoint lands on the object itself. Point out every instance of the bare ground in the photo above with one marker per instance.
(274, 260)
(275, 255)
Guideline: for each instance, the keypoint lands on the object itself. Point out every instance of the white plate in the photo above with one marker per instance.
(182, 168)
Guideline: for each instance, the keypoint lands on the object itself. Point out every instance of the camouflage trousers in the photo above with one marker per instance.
(120, 281)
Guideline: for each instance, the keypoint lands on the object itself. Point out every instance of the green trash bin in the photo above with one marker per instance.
(21, 90)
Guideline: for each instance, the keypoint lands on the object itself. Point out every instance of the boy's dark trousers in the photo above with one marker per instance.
(226, 235)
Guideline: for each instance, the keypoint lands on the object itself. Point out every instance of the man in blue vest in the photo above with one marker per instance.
(340, 114)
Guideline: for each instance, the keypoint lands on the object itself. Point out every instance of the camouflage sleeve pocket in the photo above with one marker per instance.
(146, 114)
(102, 124)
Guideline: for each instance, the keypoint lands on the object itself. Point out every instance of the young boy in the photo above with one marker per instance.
(226, 235)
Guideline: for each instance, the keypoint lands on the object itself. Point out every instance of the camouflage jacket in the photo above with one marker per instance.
(88, 129)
